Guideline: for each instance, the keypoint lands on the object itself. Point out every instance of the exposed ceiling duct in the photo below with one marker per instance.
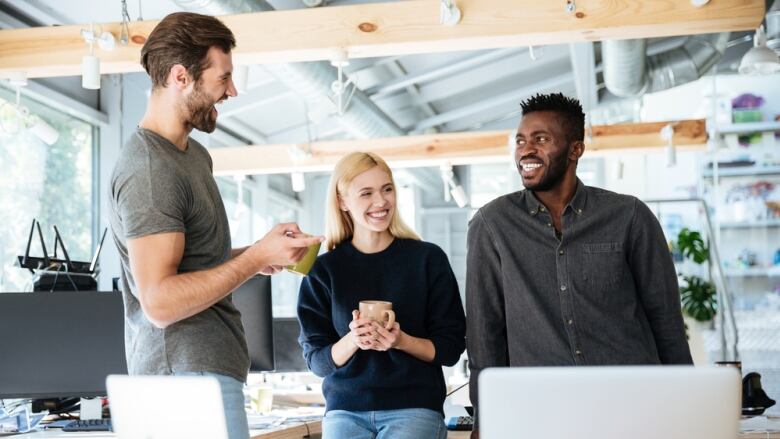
(773, 27)
(312, 80)
(629, 72)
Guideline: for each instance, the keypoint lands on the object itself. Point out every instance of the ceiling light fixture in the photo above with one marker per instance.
(339, 87)
(449, 13)
(15, 117)
(452, 187)
(298, 155)
(759, 60)
(90, 64)
(667, 134)
(298, 181)
(241, 78)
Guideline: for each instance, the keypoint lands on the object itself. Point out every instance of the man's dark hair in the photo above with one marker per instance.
(183, 38)
(568, 109)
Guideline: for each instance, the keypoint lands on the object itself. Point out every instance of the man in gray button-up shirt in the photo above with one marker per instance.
(562, 274)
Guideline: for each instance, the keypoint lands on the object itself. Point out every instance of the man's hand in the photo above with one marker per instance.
(271, 270)
(281, 246)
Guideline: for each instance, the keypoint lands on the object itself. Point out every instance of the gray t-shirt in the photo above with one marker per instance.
(158, 188)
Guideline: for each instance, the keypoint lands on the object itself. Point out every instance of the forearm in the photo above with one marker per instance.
(342, 351)
(183, 295)
(420, 348)
(237, 251)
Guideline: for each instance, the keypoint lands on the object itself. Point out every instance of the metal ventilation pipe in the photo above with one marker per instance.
(773, 27)
(311, 80)
(629, 72)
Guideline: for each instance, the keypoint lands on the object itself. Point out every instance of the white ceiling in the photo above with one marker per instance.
(445, 92)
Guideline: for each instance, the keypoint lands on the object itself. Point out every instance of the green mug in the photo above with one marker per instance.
(303, 266)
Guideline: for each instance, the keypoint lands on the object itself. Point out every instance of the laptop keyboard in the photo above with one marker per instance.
(460, 423)
(88, 425)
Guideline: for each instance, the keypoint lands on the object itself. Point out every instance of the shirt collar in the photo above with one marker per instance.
(577, 203)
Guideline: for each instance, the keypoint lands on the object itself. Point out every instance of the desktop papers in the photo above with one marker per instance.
(760, 424)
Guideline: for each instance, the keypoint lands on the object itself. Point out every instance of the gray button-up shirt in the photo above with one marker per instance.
(604, 293)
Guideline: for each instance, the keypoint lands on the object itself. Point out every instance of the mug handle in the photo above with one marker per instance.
(390, 318)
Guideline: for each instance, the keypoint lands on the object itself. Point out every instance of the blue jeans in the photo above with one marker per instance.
(233, 402)
(384, 424)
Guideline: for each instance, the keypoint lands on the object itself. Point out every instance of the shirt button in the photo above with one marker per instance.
(578, 352)
(541, 209)
(533, 212)
(560, 252)
(563, 287)
(579, 210)
(549, 224)
(570, 321)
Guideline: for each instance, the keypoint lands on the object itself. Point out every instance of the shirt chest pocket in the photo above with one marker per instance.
(602, 265)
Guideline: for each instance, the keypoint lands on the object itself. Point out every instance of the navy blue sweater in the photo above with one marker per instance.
(415, 276)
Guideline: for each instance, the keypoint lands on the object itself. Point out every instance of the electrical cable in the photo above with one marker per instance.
(457, 388)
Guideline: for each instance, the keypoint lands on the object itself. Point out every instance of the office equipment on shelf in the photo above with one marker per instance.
(253, 300)
(59, 274)
(60, 344)
(88, 425)
(640, 402)
(166, 407)
(460, 423)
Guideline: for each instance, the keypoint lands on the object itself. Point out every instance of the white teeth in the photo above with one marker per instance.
(378, 214)
(531, 166)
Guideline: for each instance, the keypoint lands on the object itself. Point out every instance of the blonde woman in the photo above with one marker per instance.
(379, 383)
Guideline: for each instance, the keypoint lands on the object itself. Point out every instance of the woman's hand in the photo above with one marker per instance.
(361, 332)
(386, 339)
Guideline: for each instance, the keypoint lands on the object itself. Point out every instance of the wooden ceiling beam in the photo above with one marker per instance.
(393, 28)
(435, 149)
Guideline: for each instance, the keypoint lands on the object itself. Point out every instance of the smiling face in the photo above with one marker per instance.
(542, 153)
(214, 86)
(370, 200)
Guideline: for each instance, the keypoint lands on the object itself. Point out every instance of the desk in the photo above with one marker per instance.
(467, 434)
(292, 431)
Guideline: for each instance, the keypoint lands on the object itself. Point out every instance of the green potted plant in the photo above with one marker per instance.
(698, 296)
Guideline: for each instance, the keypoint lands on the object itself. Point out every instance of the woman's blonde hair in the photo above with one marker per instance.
(338, 223)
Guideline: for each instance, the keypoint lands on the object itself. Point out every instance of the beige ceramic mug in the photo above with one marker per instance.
(378, 311)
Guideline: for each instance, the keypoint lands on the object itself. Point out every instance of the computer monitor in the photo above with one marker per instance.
(253, 300)
(61, 344)
(287, 351)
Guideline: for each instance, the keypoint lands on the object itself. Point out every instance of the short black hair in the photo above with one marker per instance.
(569, 110)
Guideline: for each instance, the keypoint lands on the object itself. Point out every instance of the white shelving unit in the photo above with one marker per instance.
(759, 236)
(773, 272)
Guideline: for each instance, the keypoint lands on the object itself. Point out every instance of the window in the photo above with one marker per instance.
(261, 208)
(52, 183)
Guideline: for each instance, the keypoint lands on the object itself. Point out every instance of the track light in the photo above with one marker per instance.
(340, 87)
(15, 117)
(667, 134)
(240, 78)
(759, 60)
(449, 13)
(452, 187)
(298, 181)
(90, 64)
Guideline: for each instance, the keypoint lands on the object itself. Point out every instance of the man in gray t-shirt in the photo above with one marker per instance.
(170, 226)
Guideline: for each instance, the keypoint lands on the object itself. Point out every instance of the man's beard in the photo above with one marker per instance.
(553, 175)
(197, 107)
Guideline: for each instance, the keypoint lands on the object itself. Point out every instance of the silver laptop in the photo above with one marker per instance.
(166, 407)
(638, 402)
